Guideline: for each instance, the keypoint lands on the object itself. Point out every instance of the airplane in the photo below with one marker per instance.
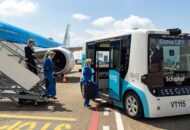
(64, 59)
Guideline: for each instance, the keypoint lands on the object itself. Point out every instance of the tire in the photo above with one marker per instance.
(82, 89)
(133, 106)
(21, 101)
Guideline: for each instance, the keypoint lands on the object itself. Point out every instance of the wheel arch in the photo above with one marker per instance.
(141, 96)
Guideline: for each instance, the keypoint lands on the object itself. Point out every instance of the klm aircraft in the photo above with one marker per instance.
(64, 60)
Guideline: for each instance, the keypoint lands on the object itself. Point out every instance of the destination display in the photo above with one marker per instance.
(171, 91)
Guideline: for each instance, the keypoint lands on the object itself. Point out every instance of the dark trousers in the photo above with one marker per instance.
(32, 67)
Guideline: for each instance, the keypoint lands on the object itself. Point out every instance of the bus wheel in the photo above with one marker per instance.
(82, 89)
(133, 106)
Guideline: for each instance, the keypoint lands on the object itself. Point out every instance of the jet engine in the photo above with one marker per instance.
(63, 60)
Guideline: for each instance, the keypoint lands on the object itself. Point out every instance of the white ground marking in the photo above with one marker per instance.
(106, 128)
(118, 121)
(106, 111)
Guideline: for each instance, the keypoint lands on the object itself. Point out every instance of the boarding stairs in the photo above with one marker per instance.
(16, 81)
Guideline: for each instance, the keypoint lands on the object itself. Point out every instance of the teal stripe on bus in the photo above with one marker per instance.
(126, 86)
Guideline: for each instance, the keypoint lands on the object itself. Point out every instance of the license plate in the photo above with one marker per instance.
(178, 104)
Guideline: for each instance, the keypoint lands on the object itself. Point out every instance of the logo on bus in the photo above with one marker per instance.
(175, 78)
(113, 78)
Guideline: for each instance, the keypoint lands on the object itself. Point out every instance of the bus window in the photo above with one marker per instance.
(114, 54)
(125, 51)
(156, 56)
(169, 61)
(90, 51)
(102, 59)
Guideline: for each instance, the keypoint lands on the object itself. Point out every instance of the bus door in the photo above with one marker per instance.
(102, 66)
(114, 70)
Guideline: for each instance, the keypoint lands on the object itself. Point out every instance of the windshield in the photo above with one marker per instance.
(169, 61)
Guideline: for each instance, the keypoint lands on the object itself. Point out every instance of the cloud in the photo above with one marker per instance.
(80, 17)
(110, 24)
(104, 21)
(94, 31)
(107, 25)
(134, 22)
(78, 40)
(17, 7)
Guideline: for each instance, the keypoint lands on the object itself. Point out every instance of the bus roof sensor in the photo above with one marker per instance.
(174, 31)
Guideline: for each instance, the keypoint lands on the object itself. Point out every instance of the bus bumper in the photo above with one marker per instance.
(169, 106)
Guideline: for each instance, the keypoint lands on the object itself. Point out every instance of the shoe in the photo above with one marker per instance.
(87, 105)
(53, 97)
(44, 95)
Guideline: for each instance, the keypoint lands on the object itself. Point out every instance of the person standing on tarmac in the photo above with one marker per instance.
(30, 58)
(48, 73)
(86, 77)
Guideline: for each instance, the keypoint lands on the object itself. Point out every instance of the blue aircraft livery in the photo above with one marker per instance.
(17, 35)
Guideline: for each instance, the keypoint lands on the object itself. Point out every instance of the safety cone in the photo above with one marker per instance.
(64, 79)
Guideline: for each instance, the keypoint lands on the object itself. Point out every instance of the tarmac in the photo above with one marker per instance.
(68, 113)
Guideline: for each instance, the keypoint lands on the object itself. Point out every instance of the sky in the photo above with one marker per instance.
(89, 18)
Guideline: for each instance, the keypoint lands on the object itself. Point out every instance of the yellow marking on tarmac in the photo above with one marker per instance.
(30, 125)
(37, 118)
(46, 126)
(62, 126)
(4, 127)
(7, 127)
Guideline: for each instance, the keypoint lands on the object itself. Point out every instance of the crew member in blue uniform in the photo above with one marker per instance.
(86, 77)
(30, 58)
(48, 73)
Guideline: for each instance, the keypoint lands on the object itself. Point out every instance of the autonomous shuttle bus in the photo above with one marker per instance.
(145, 72)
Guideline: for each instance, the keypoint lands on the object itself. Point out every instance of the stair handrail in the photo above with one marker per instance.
(15, 53)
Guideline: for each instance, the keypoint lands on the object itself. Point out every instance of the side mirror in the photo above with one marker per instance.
(145, 79)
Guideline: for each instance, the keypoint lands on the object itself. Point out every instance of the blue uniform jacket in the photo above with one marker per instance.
(48, 66)
(48, 72)
(86, 75)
